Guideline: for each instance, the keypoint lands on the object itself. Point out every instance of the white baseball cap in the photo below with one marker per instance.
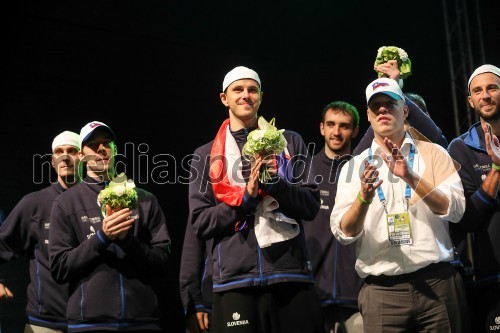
(239, 73)
(66, 138)
(88, 129)
(481, 70)
(386, 86)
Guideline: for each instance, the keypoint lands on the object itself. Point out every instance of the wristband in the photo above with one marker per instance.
(363, 201)
(496, 167)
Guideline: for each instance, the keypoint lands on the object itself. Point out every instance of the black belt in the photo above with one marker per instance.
(404, 278)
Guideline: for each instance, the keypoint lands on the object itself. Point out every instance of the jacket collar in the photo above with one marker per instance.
(475, 137)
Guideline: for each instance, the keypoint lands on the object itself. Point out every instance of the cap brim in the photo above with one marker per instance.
(99, 129)
(392, 95)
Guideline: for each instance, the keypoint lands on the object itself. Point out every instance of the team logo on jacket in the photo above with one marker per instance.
(92, 232)
(236, 321)
(93, 220)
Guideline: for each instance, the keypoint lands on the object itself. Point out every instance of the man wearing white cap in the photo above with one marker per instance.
(478, 152)
(256, 288)
(113, 259)
(395, 200)
(26, 232)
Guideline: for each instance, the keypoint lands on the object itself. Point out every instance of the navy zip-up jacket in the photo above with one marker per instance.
(112, 284)
(26, 231)
(337, 282)
(238, 261)
(482, 212)
(195, 277)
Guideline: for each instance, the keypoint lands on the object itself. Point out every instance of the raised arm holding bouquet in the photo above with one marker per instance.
(393, 62)
(387, 53)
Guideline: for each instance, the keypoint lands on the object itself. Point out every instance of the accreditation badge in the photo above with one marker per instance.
(399, 229)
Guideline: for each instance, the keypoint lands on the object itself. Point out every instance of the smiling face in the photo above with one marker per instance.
(387, 117)
(242, 98)
(339, 129)
(485, 96)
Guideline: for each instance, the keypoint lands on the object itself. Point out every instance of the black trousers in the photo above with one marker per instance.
(282, 307)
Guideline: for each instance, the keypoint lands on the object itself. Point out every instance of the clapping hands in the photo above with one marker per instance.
(492, 144)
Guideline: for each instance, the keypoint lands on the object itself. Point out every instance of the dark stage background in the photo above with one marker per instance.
(132, 63)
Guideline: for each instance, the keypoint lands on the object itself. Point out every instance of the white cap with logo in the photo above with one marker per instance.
(240, 73)
(88, 129)
(481, 70)
(66, 138)
(385, 86)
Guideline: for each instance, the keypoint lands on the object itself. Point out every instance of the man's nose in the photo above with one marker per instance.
(382, 110)
(101, 147)
(485, 94)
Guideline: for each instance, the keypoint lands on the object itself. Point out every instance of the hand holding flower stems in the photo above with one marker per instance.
(265, 142)
(116, 223)
(389, 69)
(386, 53)
(118, 200)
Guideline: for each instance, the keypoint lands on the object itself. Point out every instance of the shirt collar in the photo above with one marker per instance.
(405, 147)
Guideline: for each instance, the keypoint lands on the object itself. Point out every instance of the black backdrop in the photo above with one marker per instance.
(153, 70)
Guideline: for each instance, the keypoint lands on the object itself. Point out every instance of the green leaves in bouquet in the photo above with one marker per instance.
(119, 193)
(386, 53)
(265, 141)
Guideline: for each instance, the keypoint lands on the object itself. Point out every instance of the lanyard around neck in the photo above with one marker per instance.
(380, 193)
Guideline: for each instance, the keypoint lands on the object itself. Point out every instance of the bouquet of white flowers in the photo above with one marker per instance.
(119, 194)
(266, 140)
(386, 53)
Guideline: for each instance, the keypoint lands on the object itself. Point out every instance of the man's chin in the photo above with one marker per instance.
(490, 115)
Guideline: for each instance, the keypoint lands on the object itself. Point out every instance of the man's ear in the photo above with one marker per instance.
(223, 99)
(406, 110)
(115, 149)
(355, 132)
(322, 129)
(469, 99)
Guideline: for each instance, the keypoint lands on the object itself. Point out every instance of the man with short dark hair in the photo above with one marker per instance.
(337, 282)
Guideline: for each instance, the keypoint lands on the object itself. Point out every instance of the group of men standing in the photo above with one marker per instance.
(354, 242)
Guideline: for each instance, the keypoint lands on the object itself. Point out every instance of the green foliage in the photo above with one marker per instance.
(265, 141)
(386, 53)
(119, 193)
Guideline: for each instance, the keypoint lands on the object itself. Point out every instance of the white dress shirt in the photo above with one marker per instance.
(430, 235)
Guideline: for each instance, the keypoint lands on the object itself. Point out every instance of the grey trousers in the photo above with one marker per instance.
(431, 299)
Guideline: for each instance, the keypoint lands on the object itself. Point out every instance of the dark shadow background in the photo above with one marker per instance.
(153, 71)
